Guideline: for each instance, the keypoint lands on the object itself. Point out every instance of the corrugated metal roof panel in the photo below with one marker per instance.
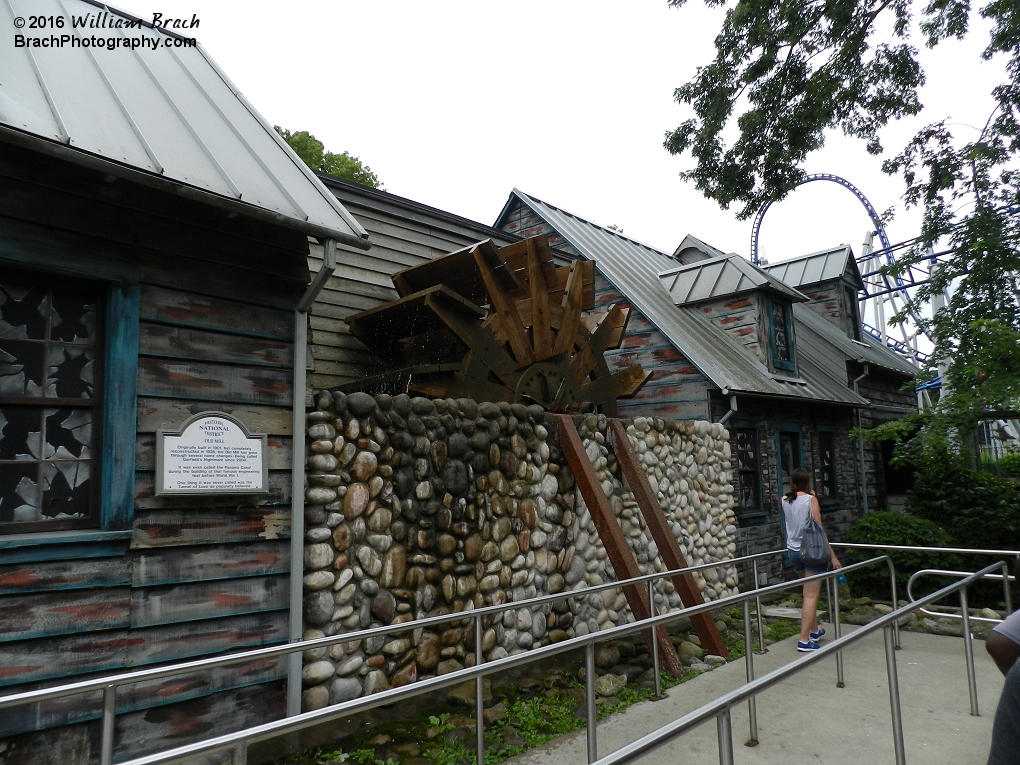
(166, 112)
(722, 276)
(868, 350)
(634, 268)
(821, 266)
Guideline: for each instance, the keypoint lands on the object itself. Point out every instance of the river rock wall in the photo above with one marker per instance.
(418, 507)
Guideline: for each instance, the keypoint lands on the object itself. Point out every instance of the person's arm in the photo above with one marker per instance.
(1002, 650)
(816, 513)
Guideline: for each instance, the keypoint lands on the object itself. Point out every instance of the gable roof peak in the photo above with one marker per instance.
(722, 276)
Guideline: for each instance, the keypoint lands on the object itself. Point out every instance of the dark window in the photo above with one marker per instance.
(782, 335)
(789, 457)
(827, 486)
(749, 510)
(851, 314)
(49, 375)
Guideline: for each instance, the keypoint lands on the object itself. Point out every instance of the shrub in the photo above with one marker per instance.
(888, 528)
(977, 509)
(1008, 466)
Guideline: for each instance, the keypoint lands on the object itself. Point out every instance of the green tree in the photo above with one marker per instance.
(788, 71)
(313, 153)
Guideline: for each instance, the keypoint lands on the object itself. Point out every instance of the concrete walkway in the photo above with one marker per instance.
(807, 720)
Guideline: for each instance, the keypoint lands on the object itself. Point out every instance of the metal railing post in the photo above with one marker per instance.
(968, 649)
(1006, 588)
(894, 695)
(828, 598)
(589, 700)
(240, 754)
(479, 701)
(109, 721)
(757, 610)
(836, 632)
(752, 707)
(895, 600)
(655, 643)
(725, 738)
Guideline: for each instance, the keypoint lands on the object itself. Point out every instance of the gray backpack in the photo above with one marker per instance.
(813, 548)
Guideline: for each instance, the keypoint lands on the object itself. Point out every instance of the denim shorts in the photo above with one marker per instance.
(798, 564)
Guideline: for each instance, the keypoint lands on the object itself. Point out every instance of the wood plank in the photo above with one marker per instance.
(590, 355)
(25, 578)
(541, 331)
(503, 308)
(669, 549)
(171, 711)
(381, 328)
(455, 386)
(571, 317)
(74, 655)
(156, 413)
(119, 394)
(187, 309)
(61, 613)
(477, 339)
(202, 526)
(278, 452)
(213, 382)
(176, 565)
(623, 383)
(620, 555)
(202, 345)
(204, 600)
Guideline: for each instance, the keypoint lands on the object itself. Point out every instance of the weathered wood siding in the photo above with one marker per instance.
(889, 401)
(677, 390)
(403, 234)
(743, 318)
(198, 576)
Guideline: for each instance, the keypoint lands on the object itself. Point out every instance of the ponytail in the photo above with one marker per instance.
(800, 480)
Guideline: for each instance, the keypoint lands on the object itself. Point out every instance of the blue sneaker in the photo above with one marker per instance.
(816, 636)
(810, 645)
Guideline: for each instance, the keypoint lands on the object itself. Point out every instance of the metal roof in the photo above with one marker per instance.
(721, 276)
(865, 351)
(162, 114)
(815, 267)
(633, 268)
(692, 249)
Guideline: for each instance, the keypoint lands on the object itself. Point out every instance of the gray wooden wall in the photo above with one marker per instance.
(198, 576)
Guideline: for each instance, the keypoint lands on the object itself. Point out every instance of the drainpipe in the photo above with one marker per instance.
(297, 472)
(733, 410)
(860, 444)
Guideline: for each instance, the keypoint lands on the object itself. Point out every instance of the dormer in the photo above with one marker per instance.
(692, 250)
(831, 280)
(745, 301)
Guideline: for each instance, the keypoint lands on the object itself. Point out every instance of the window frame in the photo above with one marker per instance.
(783, 429)
(112, 493)
(777, 363)
(752, 515)
(833, 500)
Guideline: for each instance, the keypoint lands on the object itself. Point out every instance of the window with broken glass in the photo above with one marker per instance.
(49, 380)
(748, 510)
(782, 335)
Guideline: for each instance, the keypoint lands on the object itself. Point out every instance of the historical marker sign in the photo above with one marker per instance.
(212, 453)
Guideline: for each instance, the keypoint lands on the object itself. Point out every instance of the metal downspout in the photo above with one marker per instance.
(860, 444)
(297, 472)
(733, 410)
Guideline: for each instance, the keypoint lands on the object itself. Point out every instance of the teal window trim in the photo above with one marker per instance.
(756, 514)
(791, 365)
(118, 426)
(117, 465)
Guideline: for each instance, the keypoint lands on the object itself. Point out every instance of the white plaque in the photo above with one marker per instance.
(212, 453)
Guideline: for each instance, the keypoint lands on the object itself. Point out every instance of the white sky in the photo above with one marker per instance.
(455, 102)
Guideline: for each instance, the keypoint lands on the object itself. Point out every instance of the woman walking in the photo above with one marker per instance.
(798, 504)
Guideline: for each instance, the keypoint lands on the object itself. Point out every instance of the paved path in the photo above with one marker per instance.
(807, 720)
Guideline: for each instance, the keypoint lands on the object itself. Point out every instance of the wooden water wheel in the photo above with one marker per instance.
(502, 324)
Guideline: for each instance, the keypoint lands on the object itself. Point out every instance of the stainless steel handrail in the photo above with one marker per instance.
(720, 707)
(110, 683)
(1005, 577)
(1014, 554)
(240, 740)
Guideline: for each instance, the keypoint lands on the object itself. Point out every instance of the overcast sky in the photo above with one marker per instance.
(455, 103)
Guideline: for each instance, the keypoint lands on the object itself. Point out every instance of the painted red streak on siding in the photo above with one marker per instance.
(743, 303)
(88, 611)
(227, 600)
(742, 331)
(23, 669)
(264, 559)
(268, 387)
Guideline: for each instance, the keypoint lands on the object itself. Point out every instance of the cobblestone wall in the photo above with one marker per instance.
(420, 507)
